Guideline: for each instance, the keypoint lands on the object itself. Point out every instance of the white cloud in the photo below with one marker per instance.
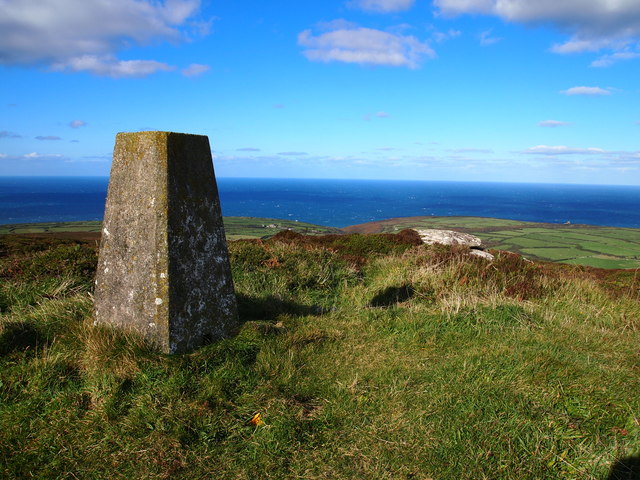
(109, 66)
(562, 150)
(443, 36)
(247, 149)
(82, 35)
(608, 60)
(292, 154)
(364, 46)
(381, 6)
(195, 69)
(591, 24)
(33, 155)
(486, 39)
(382, 115)
(577, 45)
(552, 123)
(77, 123)
(589, 91)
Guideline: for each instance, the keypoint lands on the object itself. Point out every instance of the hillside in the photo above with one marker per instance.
(235, 227)
(589, 245)
(602, 247)
(365, 356)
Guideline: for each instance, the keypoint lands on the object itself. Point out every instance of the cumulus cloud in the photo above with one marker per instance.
(195, 69)
(80, 35)
(591, 24)
(561, 150)
(381, 6)
(47, 137)
(349, 43)
(292, 154)
(77, 123)
(552, 123)
(588, 91)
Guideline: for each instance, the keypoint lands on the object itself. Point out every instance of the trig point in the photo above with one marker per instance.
(163, 267)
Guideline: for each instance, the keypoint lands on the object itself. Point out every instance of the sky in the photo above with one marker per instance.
(456, 90)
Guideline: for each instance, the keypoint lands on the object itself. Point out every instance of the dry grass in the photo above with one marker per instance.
(373, 358)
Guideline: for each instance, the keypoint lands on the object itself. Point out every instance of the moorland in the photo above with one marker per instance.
(366, 356)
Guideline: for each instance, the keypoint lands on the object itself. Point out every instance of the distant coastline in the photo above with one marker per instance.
(339, 203)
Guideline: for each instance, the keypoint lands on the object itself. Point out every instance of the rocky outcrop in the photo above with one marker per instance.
(481, 253)
(449, 237)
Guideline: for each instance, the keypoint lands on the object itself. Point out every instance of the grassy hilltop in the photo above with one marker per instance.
(365, 356)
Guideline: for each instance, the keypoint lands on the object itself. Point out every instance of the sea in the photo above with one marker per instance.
(340, 203)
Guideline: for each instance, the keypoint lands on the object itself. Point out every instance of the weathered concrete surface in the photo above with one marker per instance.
(163, 267)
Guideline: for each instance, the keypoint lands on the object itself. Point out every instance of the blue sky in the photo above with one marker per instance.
(487, 90)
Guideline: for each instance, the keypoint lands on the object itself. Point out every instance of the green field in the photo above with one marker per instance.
(250, 227)
(51, 227)
(602, 247)
(235, 227)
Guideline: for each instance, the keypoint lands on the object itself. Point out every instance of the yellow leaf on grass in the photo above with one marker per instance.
(257, 420)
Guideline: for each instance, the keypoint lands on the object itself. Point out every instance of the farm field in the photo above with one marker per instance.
(252, 227)
(588, 245)
(236, 227)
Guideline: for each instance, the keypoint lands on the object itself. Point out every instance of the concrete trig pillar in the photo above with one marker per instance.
(163, 268)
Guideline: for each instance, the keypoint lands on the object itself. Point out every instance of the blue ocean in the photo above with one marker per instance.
(340, 203)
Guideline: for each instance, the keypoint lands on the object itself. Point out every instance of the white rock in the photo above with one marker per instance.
(449, 237)
(481, 254)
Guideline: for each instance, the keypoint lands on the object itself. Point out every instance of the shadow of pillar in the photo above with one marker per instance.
(625, 469)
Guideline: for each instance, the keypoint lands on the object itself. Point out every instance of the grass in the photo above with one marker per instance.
(367, 356)
(51, 227)
(236, 227)
(604, 247)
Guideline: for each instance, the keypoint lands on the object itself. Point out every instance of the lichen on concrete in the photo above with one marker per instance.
(163, 268)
